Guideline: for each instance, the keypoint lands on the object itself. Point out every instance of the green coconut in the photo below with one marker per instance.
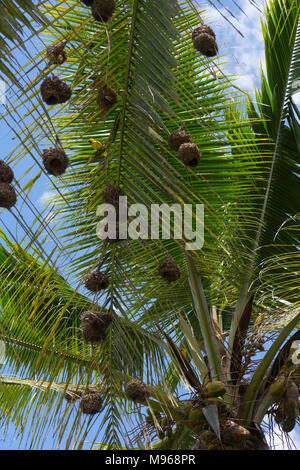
(216, 389)
(195, 417)
(291, 401)
(277, 388)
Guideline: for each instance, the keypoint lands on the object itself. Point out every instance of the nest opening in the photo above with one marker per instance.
(189, 154)
(178, 138)
(169, 270)
(55, 91)
(102, 10)
(136, 389)
(94, 325)
(96, 281)
(6, 173)
(56, 54)
(8, 197)
(206, 44)
(55, 161)
(91, 403)
(106, 98)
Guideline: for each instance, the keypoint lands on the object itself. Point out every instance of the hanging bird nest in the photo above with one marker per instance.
(204, 28)
(55, 161)
(96, 281)
(56, 54)
(106, 98)
(55, 91)
(72, 396)
(102, 10)
(111, 195)
(91, 403)
(189, 154)
(178, 138)
(8, 197)
(206, 44)
(94, 325)
(169, 270)
(6, 173)
(136, 389)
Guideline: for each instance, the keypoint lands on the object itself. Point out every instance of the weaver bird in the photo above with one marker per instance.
(97, 145)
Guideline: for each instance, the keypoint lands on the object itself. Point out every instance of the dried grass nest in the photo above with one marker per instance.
(55, 161)
(178, 138)
(204, 40)
(137, 390)
(91, 403)
(96, 281)
(55, 91)
(56, 54)
(189, 154)
(6, 173)
(8, 197)
(94, 325)
(169, 270)
(106, 98)
(102, 10)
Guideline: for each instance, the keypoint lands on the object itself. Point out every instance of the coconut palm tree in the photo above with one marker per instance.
(97, 331)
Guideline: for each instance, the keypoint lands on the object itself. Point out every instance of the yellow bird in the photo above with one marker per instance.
(97, 145)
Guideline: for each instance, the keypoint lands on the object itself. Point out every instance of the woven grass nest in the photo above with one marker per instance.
(111, 195)
(55, 91)
(6, 173)
(136, 389)
(169, 270)
(102, 10)
(189, 154)
(94, 325)
(8, 197)
(106, 98)
(56, 54)
(178, 138)
(91, 403)
(55, 161)
(96, 281)
(73, 396)
(204, 40)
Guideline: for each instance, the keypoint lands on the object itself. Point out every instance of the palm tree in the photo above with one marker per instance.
(209, 354)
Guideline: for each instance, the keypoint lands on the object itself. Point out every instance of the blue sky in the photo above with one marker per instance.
(245, 54)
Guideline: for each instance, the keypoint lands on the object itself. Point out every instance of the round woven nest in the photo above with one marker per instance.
(8, 197)
(137, 390)
(56, 53)
(91, 403)
(55, 161)
(102, 10)
(178, 138)
(96, 281)
(6, 173)
(189, 154)
(94, 325)
(206, 44)
(55, 91)
(169, 270)
(106, 98)
(111, 195)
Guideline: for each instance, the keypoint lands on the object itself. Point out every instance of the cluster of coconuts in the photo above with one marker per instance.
(188, 151)
(8, 197)
(286, 394)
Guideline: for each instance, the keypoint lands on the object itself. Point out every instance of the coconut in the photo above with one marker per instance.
(216, 389)
(55, 161)
(91, 403)
(106, 98)
(206, 44)
(56, 53)
(94, 325)
(169, 270)
(178, 138)
(291, 401)
(96, 281)
(189, 154)
(6, 173)
(196, 417)
(8, 196)
(203, 29)
(207, 437)
(102, 10)
(235, 435)
(288, 424)
(55, 91)
(277, 388)
(137, 390)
